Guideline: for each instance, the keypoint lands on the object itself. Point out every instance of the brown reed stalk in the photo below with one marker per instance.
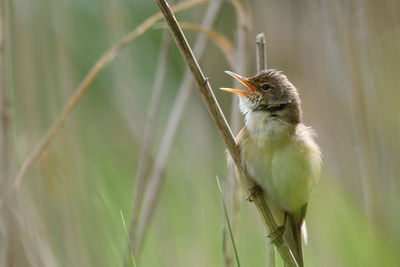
(261, 56)
(223, 127)
(90, 77)
(167, 140)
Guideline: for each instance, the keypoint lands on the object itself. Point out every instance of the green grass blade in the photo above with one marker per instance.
(229, 224)
(129, 241)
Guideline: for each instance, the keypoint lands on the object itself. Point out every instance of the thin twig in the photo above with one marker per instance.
(184, 93)
(260, 52)
(103, 62)
(261, 65)
(223, 127)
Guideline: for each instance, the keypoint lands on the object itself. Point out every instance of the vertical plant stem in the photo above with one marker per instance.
(261, 52)
(261, 56)
(150, 130)
(223, 127)
(231, 185)
(157, 174)
(5, 99)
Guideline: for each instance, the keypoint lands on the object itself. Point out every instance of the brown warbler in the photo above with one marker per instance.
(278, 150)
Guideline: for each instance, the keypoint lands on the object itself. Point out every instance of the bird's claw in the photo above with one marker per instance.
(253, 191)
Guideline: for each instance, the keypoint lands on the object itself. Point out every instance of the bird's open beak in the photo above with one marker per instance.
(244, 81)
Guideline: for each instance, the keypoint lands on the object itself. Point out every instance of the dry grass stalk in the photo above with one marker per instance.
(223, 43)
(223, 127)
(103, 62)
(157, 174)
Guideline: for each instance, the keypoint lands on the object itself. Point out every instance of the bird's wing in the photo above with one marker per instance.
(242, 136)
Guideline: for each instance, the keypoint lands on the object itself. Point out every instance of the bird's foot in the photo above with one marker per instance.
(276, 236)
(253, 191)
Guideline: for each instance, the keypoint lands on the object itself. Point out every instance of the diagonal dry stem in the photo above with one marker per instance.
(103, 62)
(223, 127)
(157, 174)
(219, 39)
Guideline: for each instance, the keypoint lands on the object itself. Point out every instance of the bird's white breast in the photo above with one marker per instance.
(283, 159)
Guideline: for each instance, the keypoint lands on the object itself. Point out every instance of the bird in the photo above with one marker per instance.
(278, 151)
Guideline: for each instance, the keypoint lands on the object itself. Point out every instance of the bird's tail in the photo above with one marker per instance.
(293, 238)
(294, 226)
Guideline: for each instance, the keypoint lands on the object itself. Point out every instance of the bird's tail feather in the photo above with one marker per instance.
(294, 238)
(295, 226)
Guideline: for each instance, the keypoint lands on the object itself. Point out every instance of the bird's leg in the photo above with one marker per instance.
(253, 191)
(276, 235)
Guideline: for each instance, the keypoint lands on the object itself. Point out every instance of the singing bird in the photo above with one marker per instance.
(278, 150)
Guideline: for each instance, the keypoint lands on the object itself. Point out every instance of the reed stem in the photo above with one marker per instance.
(261, 56)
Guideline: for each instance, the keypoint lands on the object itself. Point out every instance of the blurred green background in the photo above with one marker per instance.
(343, 56)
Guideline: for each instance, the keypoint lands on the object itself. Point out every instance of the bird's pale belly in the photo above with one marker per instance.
(285, 173)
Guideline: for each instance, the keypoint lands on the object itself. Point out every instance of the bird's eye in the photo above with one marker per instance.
(265, 87)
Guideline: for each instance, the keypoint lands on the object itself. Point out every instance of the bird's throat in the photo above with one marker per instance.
(269, 130)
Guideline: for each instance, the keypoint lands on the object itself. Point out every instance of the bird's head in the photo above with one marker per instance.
(268, 91)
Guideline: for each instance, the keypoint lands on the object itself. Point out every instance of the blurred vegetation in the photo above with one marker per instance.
(344, 57)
